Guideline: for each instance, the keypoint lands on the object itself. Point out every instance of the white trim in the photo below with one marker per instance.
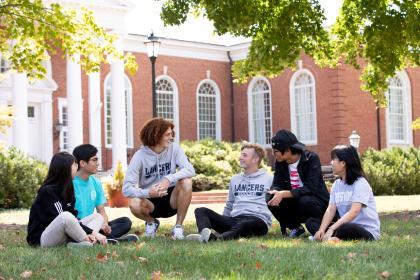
(130, 133)
(218, 110)
(402, 75)
(62, 102)
(251, 110)
(293, 124)
(176, 104)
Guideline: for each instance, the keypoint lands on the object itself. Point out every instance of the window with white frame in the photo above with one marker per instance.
(63, 122)
(165, 105)
(398, 111)
(303, 107)
(208, 111)
(128, 112)
(259, 111)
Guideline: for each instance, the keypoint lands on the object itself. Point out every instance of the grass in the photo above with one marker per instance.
(271, 257)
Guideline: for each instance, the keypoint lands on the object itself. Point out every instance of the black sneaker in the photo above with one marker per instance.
(112, 241)
(128, 238)
(296, 232)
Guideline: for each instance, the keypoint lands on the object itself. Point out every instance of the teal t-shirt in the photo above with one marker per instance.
(89, 194)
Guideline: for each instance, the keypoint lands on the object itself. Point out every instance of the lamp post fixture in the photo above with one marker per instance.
(354, 139)
(153, 45)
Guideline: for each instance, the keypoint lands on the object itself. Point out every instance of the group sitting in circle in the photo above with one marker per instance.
(158, 182)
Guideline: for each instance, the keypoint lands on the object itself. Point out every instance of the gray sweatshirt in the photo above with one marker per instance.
(247, 195)
(148, 168)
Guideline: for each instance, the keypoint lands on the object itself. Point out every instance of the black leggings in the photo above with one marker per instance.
(119, 227)
(347, 231)
(229, 227)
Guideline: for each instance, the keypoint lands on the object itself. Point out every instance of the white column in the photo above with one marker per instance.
(118, 126)
(95, 105)
(20, 106)
(74, 102)
(47, 128)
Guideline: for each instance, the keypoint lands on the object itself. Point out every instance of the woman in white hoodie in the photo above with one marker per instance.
(158, 178)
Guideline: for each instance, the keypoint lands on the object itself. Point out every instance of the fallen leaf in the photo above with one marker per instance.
(174, 274)
(101, 258)
(137, 273)
(114, 255)
(138, 232)
(365, 253)
(350, 256)
(82, 277)
(26, 274)
(258, 265)
(157, 275)
(140, 245)
(385, 274)
(1, 247)
(2, 278)
(142, 260)
(241, 240)
(120, 263)
(263, 246)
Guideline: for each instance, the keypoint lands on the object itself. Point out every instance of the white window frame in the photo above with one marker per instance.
(176, 103)
(293, 122)
(218, 110)
(62, 102)
(251, 111)
(406, 87)
(128, 107)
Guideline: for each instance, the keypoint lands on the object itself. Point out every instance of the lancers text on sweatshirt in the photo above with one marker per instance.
(148, 168)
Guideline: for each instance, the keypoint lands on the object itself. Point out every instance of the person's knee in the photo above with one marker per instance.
(67, 217)
(200, 211)
(185, 184)
(98, 217)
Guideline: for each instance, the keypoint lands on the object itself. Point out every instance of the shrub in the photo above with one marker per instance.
(215, 162)
(393, 171)
(20, 178)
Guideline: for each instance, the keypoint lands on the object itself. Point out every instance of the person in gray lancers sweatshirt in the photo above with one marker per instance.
(158, 178)
(246, 213)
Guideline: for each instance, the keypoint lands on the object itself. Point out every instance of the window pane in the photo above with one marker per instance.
(261, 114)
(303, 89)
(206, 112)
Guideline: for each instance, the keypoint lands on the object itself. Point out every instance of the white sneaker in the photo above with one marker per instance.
(178, 233)
(79, 244)
(205, 235)
(194, 237)
(311, 238)
(151, 228)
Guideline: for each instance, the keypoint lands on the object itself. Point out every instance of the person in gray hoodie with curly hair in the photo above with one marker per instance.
(246, 213)
(158, 179)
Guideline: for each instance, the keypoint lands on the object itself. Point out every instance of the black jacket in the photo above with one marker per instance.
(310, 173)
(47, 206)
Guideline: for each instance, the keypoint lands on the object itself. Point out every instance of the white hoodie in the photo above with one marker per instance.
(247, 196)
(148, 168)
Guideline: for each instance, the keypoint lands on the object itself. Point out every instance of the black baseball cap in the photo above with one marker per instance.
(284, 139)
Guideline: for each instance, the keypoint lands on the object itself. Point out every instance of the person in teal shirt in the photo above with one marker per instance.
(90, 195)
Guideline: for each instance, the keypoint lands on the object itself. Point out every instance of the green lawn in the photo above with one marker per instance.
(395, 256)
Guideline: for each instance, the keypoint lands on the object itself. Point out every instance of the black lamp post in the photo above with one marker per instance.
(152, 45)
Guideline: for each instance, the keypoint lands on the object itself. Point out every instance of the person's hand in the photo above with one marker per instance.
(328, 234)
(157, 191)
(318, 235)
(276, 199)
(100, 238)
(106, 229)
(164, 184)
(90, 238)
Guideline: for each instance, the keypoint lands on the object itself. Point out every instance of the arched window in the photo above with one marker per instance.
(398, 113)
(208, 110)
(303, 107)
(128, 112)
(259, 111)
(167, 101)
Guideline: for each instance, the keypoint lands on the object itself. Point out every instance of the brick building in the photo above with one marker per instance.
(195, 89)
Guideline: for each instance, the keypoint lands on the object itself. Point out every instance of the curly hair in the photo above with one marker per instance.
(153, 130)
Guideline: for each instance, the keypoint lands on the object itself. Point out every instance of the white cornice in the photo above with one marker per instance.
(188, 49)
(123, 6)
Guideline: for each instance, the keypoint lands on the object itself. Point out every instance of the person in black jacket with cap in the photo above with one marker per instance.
(298, 191)
(52, 218)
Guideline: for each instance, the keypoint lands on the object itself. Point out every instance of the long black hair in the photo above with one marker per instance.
(349, 155)
(59, 175)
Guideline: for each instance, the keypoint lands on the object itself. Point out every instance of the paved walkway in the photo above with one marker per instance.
(384, 204)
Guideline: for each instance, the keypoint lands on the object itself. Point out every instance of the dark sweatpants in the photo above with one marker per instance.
(229, 227)
(347, 231)
(291, 212)
(119, 227)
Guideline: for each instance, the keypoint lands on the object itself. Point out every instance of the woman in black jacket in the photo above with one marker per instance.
(52, 219)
